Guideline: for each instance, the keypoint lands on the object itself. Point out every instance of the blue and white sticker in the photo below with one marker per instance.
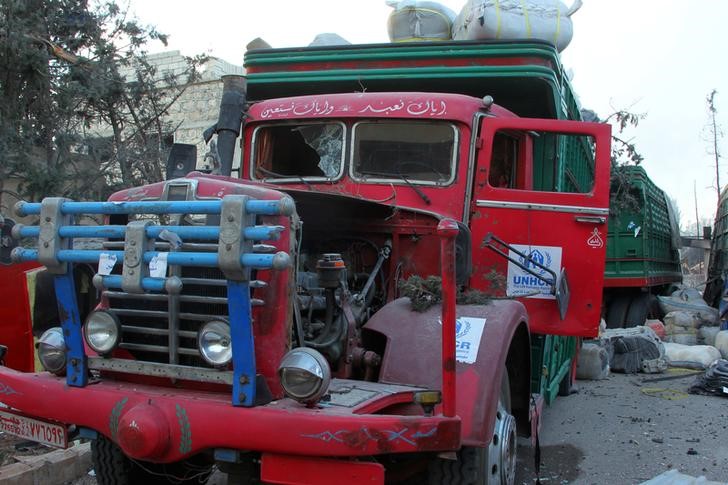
(468, 331)
(522, 283)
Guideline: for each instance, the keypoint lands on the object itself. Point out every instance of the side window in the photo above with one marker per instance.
(504, 162)
(542, 161)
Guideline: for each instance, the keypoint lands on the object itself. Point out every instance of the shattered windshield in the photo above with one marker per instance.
(408, 151)
(298, 151)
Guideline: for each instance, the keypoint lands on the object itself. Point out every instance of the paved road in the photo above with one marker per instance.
(624, 431)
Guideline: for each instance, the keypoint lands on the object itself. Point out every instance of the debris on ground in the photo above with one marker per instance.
(685, 354)
(674, 477)
(714, 382)
(593, 362)
(636, 349)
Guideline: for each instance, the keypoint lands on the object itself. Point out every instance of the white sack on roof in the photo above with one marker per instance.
(548, 20)
(419, 20)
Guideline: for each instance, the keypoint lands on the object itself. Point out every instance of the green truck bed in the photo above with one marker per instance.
(642, 239)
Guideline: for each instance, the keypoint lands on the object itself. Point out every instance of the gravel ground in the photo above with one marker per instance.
(625, 431)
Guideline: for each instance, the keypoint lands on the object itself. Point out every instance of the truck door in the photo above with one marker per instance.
(540, 201)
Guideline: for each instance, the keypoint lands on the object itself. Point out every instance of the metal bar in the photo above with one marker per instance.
(214, 300)
(140, 313)
(447, 230)
(156, 331)
(263, 207)
(173, 320)
(204, 233)
(182, 372)
(241, 329)
(203, 282)
(148, 284)
(279, 260)
(492, 237)
(571, 209)
(76, 363)
(162, 349)
(120, 295)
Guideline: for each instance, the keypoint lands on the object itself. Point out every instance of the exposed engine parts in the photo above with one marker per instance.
(336, 299)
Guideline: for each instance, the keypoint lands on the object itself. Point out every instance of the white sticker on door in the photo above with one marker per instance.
(523, 283)
(468, 331)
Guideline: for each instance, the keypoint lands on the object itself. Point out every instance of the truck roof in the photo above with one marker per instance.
(374, 105)
(524, 76)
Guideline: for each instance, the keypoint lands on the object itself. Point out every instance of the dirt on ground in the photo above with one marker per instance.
(10, 447)
(624, 430)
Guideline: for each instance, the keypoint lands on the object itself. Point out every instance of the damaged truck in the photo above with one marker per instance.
(257, 322)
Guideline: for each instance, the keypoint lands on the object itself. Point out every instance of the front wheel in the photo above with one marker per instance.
(113, 467)
(494, 465)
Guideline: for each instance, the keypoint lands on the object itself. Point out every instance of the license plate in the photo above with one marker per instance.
(33, 429)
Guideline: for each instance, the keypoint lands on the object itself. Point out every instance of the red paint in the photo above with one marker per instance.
(446, 62)
(297, 470)
(637, 282)
(281, 427)
(518, 225)
(447, 230)
(16, 325)
(143, 432)
(421, 335)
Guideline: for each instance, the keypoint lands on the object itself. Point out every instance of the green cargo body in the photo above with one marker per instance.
(642, 241)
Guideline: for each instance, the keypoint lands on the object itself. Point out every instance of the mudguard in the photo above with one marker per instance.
(413, 355)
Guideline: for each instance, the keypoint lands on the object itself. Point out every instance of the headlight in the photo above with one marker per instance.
(52, 351)
(305, 375)
(102, 331)
(215, 343)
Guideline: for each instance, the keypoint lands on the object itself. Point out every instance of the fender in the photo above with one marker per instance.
(413, 357)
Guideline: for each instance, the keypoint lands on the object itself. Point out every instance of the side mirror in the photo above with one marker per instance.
(181, 161)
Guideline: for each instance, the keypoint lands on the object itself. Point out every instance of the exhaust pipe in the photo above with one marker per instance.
(227, 128)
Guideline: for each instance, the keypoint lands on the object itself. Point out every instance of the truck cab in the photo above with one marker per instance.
(379, 294)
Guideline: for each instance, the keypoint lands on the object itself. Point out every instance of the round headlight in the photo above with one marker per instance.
(215, 343)
(52, 351)
(305, 375)
(102, 331)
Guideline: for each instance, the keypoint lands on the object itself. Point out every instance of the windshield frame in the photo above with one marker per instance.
(297, 178)
(399, 179)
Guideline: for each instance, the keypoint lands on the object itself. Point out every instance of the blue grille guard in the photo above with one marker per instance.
(236, 256)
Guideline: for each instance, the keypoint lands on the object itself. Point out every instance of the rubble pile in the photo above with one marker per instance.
(687, 336)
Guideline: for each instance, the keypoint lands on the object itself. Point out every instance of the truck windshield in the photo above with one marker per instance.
(313, 151)
(403, 150)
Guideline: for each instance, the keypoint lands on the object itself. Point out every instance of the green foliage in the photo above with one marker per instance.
(82, 111)
(624, 152)
(426, 292)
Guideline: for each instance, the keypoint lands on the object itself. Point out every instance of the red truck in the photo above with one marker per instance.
(257, 322)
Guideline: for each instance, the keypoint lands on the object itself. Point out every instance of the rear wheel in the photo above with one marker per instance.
(638, 311)
(494, 465)
(617, 311)
(113, 467)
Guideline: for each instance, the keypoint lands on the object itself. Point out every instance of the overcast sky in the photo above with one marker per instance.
(659, 57)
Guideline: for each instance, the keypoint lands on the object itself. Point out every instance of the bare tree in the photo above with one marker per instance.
(715, 133)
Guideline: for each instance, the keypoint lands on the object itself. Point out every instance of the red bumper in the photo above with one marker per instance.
(165, 425)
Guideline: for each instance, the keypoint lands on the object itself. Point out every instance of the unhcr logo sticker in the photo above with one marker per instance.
(523, 283)
(468, 331)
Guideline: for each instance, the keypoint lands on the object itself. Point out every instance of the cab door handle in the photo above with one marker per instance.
(591, 219)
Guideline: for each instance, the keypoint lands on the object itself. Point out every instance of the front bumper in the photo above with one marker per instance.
(166, 425)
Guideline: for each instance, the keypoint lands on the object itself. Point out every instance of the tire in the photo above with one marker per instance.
(639, 308)
(494, 465)
(566, 386)
(617, 311)
(113, 467)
